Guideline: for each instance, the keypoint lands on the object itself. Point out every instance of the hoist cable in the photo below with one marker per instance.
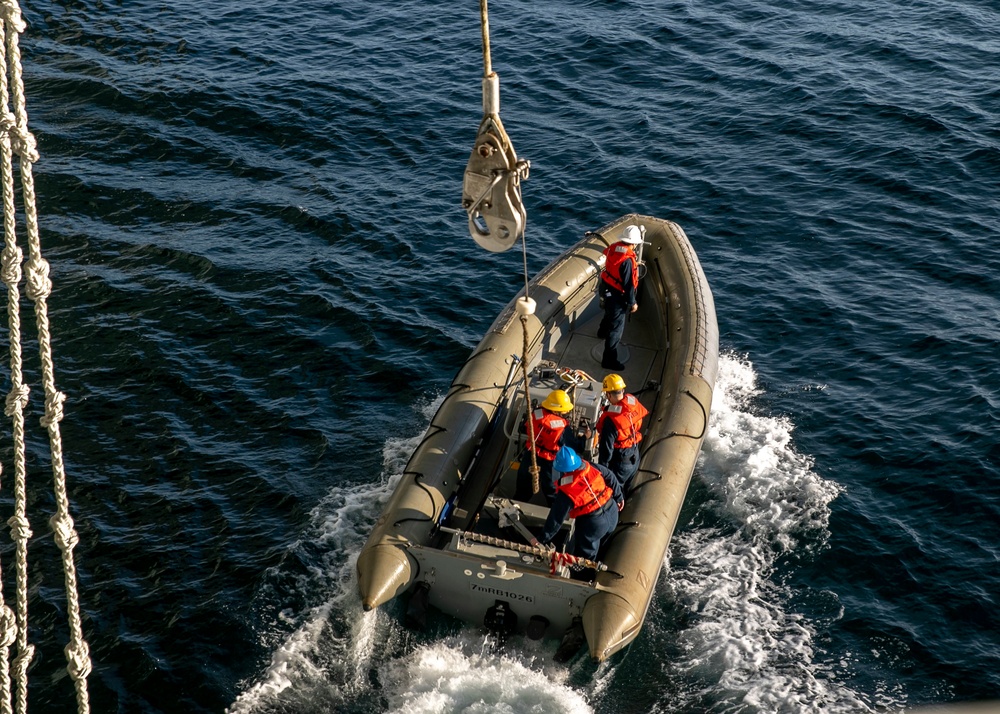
(484, 21)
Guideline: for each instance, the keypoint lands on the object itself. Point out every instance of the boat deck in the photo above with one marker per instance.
(640, 348)
(581, 349)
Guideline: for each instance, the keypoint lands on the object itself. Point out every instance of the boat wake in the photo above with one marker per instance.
(325, 661)
(735, 644)
(462, 674)
(340, 657)
(743, 648)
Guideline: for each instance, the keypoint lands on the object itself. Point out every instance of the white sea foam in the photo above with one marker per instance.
(744, 650)
(749, 462)
(462, 674)
(327, 657)
(328, 660)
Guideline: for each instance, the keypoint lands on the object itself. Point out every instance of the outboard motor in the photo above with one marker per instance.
(572, 641)
(501, 620)
(416, 610)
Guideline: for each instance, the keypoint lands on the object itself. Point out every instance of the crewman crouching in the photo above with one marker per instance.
(588, 493)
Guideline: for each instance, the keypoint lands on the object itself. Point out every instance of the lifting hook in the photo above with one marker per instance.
(491, 188)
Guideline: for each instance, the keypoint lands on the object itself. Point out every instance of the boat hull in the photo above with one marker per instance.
(432, 531)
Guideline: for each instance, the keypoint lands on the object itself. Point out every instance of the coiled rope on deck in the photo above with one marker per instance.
(16, 139)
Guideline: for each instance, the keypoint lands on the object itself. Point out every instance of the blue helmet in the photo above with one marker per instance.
(566, 460)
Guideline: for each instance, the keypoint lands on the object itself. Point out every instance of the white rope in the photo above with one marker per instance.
(532, 436)
(16, 139)
(15, 624)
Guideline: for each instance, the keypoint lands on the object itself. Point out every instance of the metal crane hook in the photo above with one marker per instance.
(491, 188)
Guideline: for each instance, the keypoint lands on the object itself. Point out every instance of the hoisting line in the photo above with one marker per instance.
(491, 196)
(528, 303)
(491, 186)
(484, 24)
(15, 138)
(525, 307)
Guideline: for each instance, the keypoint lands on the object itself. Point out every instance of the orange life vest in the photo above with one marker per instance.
(586, 489)
(548, 428)
(616, 254)
(627, 416)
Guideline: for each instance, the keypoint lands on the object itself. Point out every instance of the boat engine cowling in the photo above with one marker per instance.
(501, 620)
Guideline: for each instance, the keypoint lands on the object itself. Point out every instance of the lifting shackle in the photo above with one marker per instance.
(491, 188)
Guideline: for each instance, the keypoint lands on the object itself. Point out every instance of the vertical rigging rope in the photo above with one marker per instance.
(15, 627)
(527, 406)
(17, 139)
(524, 370)
(484, 23)
(527, 304)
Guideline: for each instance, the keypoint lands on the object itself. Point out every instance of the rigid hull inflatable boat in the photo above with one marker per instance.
(452, 533)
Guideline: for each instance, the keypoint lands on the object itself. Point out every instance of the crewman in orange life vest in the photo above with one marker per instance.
(549, 422)
(588, 493)
(618, 430)
(619, 283)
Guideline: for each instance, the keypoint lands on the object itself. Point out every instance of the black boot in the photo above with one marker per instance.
(610, 360)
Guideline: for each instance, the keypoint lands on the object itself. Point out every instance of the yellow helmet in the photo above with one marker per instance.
(558, 401)
(614, 383)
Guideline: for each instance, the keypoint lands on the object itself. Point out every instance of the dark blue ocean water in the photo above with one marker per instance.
(264, 285)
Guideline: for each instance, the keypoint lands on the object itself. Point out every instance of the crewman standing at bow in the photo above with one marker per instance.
(619, 283)
(619, 430)
(549, 423)
(588, 493)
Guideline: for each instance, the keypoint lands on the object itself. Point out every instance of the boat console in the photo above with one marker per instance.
(585, 393)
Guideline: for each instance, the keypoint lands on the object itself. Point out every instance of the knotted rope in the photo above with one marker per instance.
(16, 139)
(554, 557)
(576, 562)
